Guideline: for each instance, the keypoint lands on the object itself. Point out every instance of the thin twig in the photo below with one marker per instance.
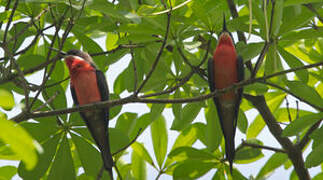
(121, 46)
(57, 83)
(28, 25)
(118, 172)
(241, 37)
(196, 69)
(170, 90)
(5, 10)
(129, 144)
(99, 176)
(306, 138)
(49, 100)
(288, 112)
(293, 94)
(244, 143)
(9, 21)
(311, 8)
(154, 65)
(268, 42)
(134, 70)
(260, 59)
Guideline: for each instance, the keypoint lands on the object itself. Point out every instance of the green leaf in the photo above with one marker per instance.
(126, 121)
(318, 176)
(6, 100)
(277, 16)
(219, 174)
(315, 158)
(189, 113)
(107, 8)
(138, 166)
(91, 46)
(115, 110)
(256, 88)
(294, 62)
(60, 98)
(248, 154)
(156, 111)
(192, 169)
(140, 123)
(159, 136)
(141, 151)
(275, 161)
(30, 60)
(62, 167)
(295, 127)
(213, 132)
(250, 50)
(7, 172)
(305, 92)
(43, 130)
(187, 138)
(300, 16)
(20, 142)
(255, 127)
(298, 2)
(45, 160)
(242, 122)
(274, 100)
(177, 108)
(118, 139)
(185, 152)
(88, 154)
(302, 34)
(111, 41)
(273, 63)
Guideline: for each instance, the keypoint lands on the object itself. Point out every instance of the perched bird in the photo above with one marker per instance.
(225, 69)
(88, 85)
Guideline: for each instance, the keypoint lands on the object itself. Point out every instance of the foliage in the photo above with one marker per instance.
(168, 43)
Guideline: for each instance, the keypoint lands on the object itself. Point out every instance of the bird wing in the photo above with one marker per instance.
(103, 88)
(210, 70)
(212, 85)
(240, 77)
(74, 95)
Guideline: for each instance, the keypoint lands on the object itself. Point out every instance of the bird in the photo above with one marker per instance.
(224, 70)
(89, 85)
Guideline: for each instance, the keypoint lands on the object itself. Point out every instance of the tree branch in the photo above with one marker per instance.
(294, 153)
(140, 99)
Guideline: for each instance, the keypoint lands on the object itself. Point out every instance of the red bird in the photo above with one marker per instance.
(88, 85)
(225, 69)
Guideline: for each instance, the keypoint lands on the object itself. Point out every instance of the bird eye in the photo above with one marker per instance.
(78, 66)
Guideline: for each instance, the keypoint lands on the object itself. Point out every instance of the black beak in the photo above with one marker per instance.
(62, 53)
(224, 29)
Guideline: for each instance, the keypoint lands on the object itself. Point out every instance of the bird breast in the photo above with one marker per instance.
(86, 87)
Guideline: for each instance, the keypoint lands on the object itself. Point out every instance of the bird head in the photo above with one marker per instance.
(78, 61)
(225, 36)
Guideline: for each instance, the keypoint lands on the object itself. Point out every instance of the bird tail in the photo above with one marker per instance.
(229, 120)
(107, 162)
(230, 151)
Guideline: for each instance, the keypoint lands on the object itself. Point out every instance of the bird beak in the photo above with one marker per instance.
(61, 53)
(224, 26)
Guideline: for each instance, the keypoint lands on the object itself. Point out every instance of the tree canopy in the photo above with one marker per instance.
(168, 43)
